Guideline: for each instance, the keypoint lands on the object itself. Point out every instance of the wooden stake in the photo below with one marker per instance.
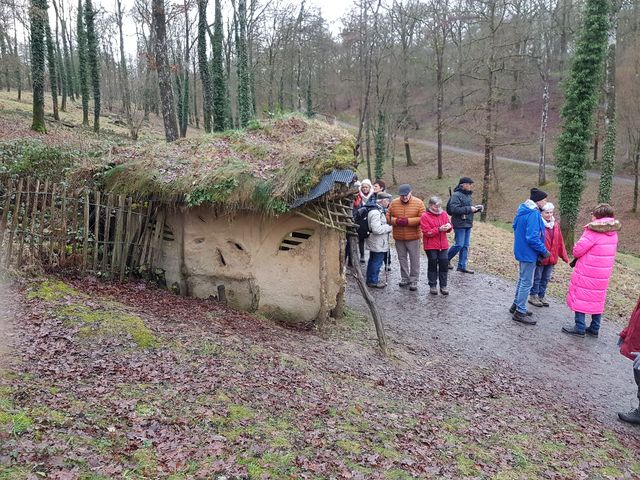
(14, 222)
(43, 210)
(63, 234)
(127, 241)
(85, 232)
(117, 241)
(96, 230)
(52, 229)
(357, 272)
(25, 219)
(107, 232)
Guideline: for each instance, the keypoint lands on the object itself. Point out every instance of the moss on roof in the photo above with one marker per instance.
(261, 168)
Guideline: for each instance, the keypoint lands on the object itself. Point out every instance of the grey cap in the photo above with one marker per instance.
(384, 196)
(405, 189)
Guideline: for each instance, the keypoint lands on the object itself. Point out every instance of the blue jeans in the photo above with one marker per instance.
(462, 240)
(525, 281)
(376, 260)
(541, 279)
(595, 322)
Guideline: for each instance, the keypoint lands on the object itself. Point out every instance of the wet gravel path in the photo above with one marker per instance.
(474, 327)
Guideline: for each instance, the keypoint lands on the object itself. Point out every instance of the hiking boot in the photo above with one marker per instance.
(433, 290)
(450, 266)
(543, 302)
(376, 285)
(535, 301)
(404, 283)
(465, 270)
(512, 309)
(591, 332)
(632, 417)
(523, 318)
(413, 286)
(572, 330)
(444, 291)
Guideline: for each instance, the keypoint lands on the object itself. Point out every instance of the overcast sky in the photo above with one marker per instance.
(332, 11)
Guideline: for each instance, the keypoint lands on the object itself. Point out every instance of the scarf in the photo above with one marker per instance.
(550, 223)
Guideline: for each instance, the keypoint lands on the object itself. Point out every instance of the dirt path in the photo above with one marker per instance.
(473, 326)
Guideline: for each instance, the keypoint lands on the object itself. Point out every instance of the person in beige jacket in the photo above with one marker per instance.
(404, 216)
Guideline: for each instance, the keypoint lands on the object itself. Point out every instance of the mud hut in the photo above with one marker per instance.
(259, 214)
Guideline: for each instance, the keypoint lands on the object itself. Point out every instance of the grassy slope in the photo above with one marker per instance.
(182, 388)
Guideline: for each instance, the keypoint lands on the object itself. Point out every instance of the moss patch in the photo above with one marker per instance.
(52, 290)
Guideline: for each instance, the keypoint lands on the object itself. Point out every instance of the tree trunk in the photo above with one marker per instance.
(203, 65)
(93, 61)
(164, 74)
(51, 61)
(636, 174)
(439, 102)
(609, 151)
(38, 17)
(82, 65)
(542, 171)
(124, 76)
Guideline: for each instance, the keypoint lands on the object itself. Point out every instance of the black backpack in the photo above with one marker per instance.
(361, 218)
(448, 207)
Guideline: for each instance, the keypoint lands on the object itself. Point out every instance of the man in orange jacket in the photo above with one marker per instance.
(404, 216)
(629, 344)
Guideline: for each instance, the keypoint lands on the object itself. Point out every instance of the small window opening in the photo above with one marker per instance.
(167, 233)
(294, 239)
(237, 245)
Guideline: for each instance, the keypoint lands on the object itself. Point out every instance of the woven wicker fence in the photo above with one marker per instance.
(49, 225)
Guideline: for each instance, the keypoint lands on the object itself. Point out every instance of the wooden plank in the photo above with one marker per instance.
(107, 232)
(157, 239)
(85, 231)
(63, 229)
(73, 212)
(140, 233)
(14, 222)
(52, 219)
(8, 192)
(96, 230)
(127, 241)
(25, 219)
(148, 234)
(117, 240)
(43, 209)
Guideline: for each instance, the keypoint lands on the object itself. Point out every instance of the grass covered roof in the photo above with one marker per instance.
(260, 168)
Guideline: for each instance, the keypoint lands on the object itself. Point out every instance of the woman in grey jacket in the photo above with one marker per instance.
(378, 240)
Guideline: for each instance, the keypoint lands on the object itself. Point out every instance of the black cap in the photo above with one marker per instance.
(537, 194)
(465, 180)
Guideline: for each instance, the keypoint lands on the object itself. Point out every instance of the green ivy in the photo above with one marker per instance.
(217, 193)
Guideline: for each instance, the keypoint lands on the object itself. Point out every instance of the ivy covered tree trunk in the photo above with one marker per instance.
(38, 15)
(92, 61)
(309, 100)
(381, 133)
(184, 106)
(581, 97)
(609, 152)
(203, 65)
(217, 69)
(164, 73)
(51, 60)
(82, 65)
(245, 105)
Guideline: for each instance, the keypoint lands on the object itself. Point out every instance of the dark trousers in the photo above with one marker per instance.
(361, 246)
(636, 374)
(437, 267)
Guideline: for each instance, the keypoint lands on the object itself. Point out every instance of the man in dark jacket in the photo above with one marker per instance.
(461, 210)
(629, 344)
(528, 246)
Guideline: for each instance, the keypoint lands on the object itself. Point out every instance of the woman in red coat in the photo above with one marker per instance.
(554, 243)
(629, 343)
(435, 223)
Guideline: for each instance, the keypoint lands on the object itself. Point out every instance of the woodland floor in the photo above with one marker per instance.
(128, 381)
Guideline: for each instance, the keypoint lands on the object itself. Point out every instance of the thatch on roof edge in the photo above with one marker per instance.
(261, 168)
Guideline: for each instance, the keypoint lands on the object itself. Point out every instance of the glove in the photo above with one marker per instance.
(547, 254)
(636, 362)
(402, 222)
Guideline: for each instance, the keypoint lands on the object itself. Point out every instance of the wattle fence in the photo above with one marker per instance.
(50, 225)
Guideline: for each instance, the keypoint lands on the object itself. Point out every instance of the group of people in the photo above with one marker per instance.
(538, 246)
(410, 223)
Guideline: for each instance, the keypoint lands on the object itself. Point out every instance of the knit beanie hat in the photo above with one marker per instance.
(465, 180)
(537, 194)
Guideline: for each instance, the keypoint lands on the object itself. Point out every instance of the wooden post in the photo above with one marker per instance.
(63, 233)
(222, 294)
(117, 240)
(85, 231)
(136, 256)
(24, 226)
(43, 211)
(96, 230)
(5, 211)
(127, 241)
(52, 229)
(74, 223)
(357, 272)
(157, 237)
(14, 222)
(107, 232)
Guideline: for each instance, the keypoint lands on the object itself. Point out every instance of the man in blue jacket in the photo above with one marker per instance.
(528, 246)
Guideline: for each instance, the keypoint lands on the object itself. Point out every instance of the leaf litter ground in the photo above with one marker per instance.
(129, 381)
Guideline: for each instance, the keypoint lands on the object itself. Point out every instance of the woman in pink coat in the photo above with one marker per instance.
(593, 255)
